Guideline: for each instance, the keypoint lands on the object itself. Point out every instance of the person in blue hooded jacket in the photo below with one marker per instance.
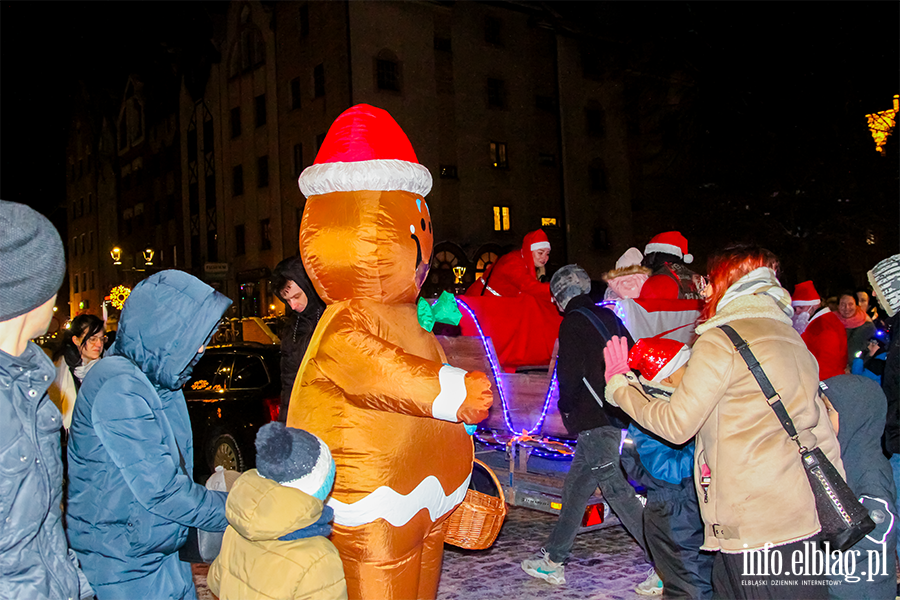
(131, 492)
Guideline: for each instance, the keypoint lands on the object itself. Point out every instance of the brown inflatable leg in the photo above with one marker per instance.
(432, 558)
(382, 562)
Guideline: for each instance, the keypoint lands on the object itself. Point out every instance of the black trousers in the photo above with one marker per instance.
(730, 583)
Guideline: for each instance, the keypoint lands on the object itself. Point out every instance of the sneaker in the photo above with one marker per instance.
(652, 586)
(546, 569)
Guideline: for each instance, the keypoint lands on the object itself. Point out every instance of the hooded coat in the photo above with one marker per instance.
(254, 564)
(514, 273)
(299, 328)
(131, 492)
(861, 407)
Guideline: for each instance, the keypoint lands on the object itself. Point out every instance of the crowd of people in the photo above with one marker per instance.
(720, 474)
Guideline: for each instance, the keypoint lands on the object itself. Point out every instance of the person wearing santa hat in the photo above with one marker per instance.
(666, 255)
(673, 527)
(821, 330)
(517, 272)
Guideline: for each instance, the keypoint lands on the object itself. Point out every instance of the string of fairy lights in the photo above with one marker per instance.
(547, 447)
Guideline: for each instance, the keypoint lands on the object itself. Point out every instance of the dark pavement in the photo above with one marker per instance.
(604, 564)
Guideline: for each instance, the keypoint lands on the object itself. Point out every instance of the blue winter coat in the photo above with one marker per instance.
(131, 490)
(34, 560)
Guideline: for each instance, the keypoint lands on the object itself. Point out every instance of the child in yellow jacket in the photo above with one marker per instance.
(276, 544)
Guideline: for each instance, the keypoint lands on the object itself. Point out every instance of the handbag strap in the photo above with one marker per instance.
(764, 384)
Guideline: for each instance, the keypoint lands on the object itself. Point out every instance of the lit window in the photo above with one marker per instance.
(501, 218)
(548, 222)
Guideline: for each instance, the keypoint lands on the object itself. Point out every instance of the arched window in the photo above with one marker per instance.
(248, 51)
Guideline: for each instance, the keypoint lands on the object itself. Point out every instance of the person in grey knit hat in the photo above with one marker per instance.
(35, 561)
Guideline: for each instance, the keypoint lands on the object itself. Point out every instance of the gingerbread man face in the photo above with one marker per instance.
(367, 244)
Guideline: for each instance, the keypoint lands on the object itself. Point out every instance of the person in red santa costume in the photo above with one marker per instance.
(666, 255)
(821, 329)
(517, 272)
(374, 384)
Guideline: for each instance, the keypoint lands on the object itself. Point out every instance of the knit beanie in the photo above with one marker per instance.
(32, 260)
(294, 458)
(568, 282)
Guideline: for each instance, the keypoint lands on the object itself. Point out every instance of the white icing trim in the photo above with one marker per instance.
(377, 175)
(397, 509)
(452, 394)
(540, 246)
(667, 248)
(312, 481)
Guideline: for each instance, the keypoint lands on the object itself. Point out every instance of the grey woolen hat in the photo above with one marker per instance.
(32, 260)
(568, 282)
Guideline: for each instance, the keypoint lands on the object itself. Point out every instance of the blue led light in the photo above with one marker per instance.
(495, 372)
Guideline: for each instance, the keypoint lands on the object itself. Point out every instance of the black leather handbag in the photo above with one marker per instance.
(843, 518)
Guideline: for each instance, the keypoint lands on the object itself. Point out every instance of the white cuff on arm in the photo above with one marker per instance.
(452, 394)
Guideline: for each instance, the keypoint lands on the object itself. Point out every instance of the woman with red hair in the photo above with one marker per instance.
(748, 474)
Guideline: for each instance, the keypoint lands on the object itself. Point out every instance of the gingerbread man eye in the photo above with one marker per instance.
(423, 224)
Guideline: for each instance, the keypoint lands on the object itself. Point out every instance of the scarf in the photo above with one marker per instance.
(760, 282)
(857, 320)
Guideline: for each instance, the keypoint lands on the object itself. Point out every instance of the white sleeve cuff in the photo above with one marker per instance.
(452, 395)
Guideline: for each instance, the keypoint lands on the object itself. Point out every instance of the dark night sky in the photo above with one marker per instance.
(784, 79)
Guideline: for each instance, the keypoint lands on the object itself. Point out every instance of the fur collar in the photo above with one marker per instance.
(629, 270)
(753, 306)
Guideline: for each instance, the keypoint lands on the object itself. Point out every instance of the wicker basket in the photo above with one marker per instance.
(475, 523)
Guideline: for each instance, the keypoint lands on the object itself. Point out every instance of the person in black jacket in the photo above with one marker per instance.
(580, 368)
(304, 308)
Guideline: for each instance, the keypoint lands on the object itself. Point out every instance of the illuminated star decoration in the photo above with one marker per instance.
(881, 124)
(118, 295)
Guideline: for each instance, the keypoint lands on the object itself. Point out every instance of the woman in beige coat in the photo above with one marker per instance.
(751, 485)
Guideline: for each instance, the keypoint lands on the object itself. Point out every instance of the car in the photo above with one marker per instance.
(233, 391)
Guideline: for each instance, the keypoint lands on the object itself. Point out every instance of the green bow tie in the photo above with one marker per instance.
(443, 311)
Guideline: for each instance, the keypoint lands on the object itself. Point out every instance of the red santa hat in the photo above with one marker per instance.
(670, 242)
(656, 358)
(536, 240)
(365, 149)
(805, 294)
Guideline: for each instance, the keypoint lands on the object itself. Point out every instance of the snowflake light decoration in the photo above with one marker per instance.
(118, 295)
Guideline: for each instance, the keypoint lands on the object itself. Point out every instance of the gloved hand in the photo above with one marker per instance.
(478, 400)
(616, 356)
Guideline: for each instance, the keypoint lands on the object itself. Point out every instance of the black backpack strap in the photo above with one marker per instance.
(764, 384)
(595, 321)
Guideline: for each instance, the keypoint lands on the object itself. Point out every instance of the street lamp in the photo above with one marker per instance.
(148, 256)
(116, 254)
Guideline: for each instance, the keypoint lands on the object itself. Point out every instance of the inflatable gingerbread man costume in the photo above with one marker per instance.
(374, 384)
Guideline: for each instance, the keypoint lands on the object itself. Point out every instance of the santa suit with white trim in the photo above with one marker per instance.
(374, 385)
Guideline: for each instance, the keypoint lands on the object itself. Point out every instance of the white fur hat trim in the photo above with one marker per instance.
(383, 175)
(540, 246)
(675, 363)
(668, 249)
